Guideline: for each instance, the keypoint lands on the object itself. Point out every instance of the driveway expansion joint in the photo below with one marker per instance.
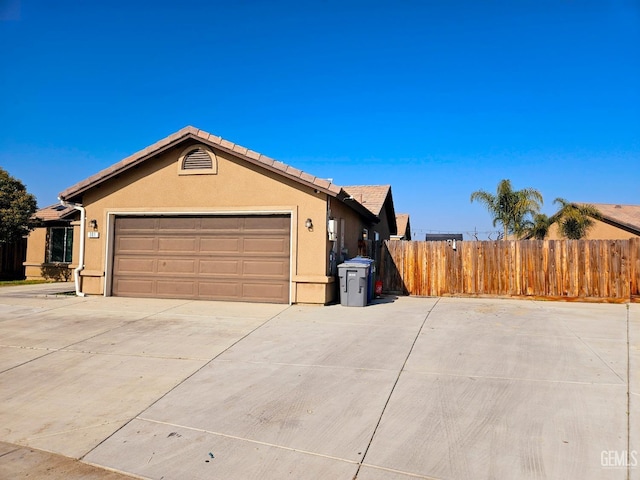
(250, 440)
(393, 387)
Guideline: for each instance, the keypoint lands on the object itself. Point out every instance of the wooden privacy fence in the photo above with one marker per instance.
(604, 270)
(11, 257)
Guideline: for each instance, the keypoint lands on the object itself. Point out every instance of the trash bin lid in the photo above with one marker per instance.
(350, 264)
(361, 260)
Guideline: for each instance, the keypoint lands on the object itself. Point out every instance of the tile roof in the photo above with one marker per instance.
(371, 196)
(624, 215)
(53, 212)
(402, 220)
(213, 140)
(374, 199)
(440, 237)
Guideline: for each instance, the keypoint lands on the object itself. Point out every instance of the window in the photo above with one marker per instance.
(60, 245)
(197, 160)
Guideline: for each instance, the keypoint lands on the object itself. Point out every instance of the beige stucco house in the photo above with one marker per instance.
(196, 216)
(617, 222)
(50, 246)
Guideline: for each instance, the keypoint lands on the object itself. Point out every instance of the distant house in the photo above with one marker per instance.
(443, 237)
(50, 247)
(404, 227)
(379, 201)
(618, 222)
(195, 216)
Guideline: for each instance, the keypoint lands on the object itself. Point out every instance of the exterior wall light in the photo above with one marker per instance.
(309, 224)
(93, 224)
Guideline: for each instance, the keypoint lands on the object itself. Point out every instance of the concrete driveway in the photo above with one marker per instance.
(404, 389)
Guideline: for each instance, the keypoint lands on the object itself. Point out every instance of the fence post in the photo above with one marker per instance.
(634, 269)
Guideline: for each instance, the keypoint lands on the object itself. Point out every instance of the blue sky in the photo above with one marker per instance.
(436, 98)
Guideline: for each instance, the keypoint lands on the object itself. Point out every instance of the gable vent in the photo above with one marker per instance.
(196, 160)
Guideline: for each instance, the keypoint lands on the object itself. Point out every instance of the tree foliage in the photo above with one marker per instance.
(539, 227)
(17, 206)
(575, 220)
(510, 208)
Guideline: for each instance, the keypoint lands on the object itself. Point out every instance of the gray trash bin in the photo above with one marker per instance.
(372, 274)
(354, 280)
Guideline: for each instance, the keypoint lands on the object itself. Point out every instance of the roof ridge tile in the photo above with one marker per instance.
(321, 182)
(335, 188)
(307, 177)
(226, 144)
(203, 134)
(293, 171)
(266, 160)
(253, 155)
(280, 165)
(240, 149)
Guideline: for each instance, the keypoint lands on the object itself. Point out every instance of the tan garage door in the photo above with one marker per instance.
(242, 258)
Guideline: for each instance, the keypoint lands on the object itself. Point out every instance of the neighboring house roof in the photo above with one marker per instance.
(55, 212)
(626, 217)
(404, 226)
(371, 196)
(374, 198)
(439, 237)
(233, 149)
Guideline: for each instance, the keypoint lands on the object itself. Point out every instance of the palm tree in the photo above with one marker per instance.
(509, 207)
(575, 220)
(539, 228)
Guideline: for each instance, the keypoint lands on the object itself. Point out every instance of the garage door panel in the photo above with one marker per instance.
(265, 292)
(136, 244)
(134, 265)
(220, 224)
(219, 267)
(266, 246)
(133, 287)
(220, 245)
(137, 224)
(177, 266)
(265, 224)
(243, 258)
(220, 290)
(264, 268)
(183, 245)
(176, 224)
(176, 288)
